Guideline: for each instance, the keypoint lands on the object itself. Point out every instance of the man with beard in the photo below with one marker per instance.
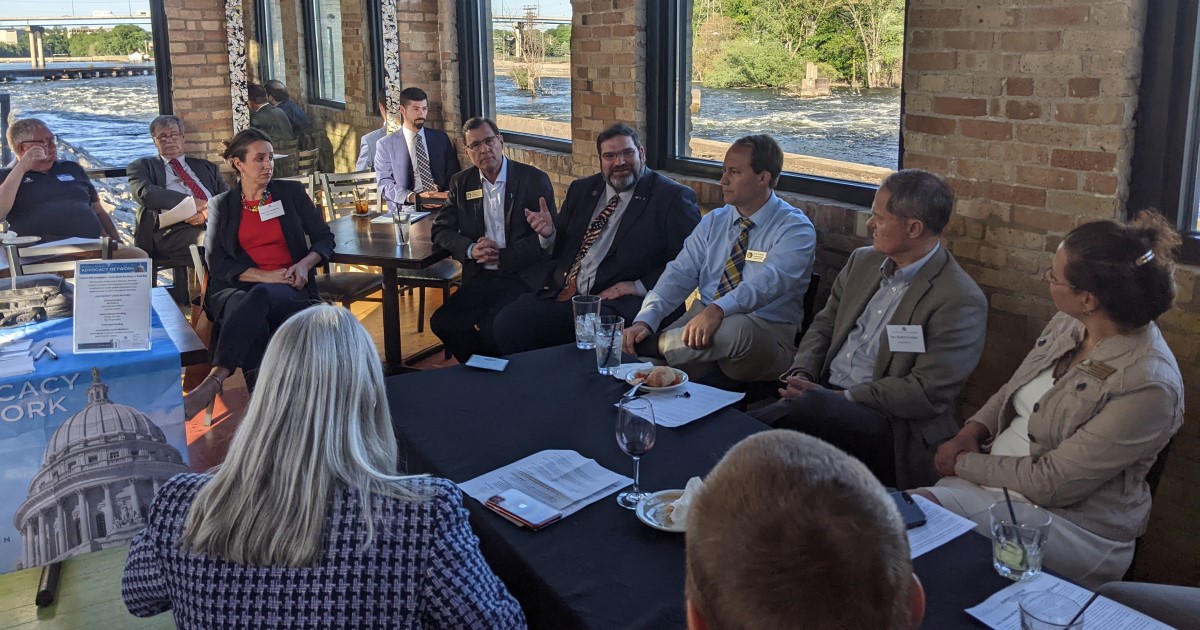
(414, 160)
(617, 231)
(751, 260)
(483, 226)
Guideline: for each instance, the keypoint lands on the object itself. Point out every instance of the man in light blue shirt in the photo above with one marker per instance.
(751, 261)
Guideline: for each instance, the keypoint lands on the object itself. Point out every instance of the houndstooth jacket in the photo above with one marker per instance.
(424, 569)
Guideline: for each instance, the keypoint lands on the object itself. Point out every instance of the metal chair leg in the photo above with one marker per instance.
(421, 312)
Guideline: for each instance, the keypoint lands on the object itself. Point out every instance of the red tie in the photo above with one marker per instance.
(197, 191)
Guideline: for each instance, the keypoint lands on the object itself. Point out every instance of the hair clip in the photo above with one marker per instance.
(1144, 258)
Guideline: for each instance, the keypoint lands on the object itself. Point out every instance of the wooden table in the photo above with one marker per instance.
(358, 241)
(191, 349)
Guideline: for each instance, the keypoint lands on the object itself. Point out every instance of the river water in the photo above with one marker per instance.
(109, 117)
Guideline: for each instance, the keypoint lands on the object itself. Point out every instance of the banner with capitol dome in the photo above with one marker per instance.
(85, 442)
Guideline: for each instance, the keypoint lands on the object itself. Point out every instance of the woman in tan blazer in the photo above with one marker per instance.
(1083, 418)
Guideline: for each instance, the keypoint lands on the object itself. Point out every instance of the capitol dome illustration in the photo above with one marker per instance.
(97, 479)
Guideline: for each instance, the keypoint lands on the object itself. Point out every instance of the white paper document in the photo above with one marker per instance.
(564, 480)
(1002, 610)
(15, 364)
(672, 409)
(387, 218)
(183, 210)
(112, 305)
(941, 526)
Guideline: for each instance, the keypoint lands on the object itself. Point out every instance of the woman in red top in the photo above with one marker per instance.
(260, 261)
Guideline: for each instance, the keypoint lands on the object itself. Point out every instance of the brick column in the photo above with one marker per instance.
(200, 74)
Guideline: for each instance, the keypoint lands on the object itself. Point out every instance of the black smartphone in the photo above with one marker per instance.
(912, 513)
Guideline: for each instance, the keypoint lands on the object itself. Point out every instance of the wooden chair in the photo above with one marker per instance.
(339, 192)
(306, 162)
(56, 259)
(201, 266)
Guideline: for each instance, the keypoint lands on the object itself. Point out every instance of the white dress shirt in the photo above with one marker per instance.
(493, 209)
(175, 182)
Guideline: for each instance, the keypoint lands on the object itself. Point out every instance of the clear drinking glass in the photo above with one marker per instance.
(362, 203)
(1017, 547)
(635, 436)
(1049, 611)
(609, 333)
(587, 310)
(403, 224)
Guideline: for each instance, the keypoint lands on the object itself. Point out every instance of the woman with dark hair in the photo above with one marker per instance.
(1081, 421)
(309, 522)
(264, 239)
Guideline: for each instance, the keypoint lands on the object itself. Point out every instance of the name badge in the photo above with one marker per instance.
(66, 177)
(475, 194)
(755, 256)
(906, 338)
(270, 211)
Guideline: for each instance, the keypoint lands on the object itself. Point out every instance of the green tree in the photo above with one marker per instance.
(875, 23)
(54, 41)
(748, 63)
(85, 44)
(708, 42)
(124, 39)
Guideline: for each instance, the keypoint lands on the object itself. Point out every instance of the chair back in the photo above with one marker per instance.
(339, 192)
(306, 162)
(306, 180)
(56, 259)
(200, 264)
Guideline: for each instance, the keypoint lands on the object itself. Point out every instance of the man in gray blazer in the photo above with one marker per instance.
(160, 182)
(366, 146)
(878, 371)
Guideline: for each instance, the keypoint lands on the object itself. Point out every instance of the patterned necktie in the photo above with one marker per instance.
(570, 288)
(737, 260)
(197, 191)
(423, 171)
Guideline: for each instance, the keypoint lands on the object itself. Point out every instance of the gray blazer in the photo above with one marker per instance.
(366, 150)
(916, 390)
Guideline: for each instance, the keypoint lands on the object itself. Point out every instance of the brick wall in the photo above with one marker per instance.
(200, 74)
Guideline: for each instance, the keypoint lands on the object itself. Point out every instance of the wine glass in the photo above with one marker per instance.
(635, 436)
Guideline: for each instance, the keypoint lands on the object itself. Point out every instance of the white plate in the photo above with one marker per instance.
(651, 510)
(683, 378)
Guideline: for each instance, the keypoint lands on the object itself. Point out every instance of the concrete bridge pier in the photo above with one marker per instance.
(37, 51)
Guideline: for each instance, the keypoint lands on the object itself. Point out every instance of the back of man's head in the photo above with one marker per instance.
(255, 93)
(276, 90)
(789, 531)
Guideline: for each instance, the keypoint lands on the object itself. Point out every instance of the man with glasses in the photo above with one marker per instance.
(415, 160)
(43, 196)
(161, 182)
(617, 230)
(484, 227)
(878, 371)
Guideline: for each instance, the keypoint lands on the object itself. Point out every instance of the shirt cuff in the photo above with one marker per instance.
(470, 246)
(641, 288)
(546, 242)
(728, 304)
(846, 393)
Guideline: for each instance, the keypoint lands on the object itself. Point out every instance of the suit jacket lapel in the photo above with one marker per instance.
(637, 205)
(859, 290)
(476, 204)
(158, 170)
(920, 285)
(511, 184)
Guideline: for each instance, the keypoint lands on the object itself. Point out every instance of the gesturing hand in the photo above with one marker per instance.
(541, 221)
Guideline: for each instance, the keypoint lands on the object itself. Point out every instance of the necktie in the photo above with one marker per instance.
(737, 260)
(570, 288)
(423, 165)
(197, 191)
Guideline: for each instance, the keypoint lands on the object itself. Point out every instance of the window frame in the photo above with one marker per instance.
(477, 94)
(262, 36)
(378, 85)
(670, 22)
(311, 54)
(1165, 163)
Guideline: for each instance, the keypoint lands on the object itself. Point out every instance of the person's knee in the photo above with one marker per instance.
(127, 252)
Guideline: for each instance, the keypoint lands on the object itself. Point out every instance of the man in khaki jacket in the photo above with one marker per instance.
(878, 371)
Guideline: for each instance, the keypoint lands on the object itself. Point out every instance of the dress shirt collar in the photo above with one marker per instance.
(409, 134)
(626, 194)
(762, 216)
(501, 178)
(167, 162)
(889, 273)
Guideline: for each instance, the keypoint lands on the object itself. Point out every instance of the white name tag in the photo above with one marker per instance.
(66, 177)
(755, 256)
(487, 363)
(906, 338)
(270, 211)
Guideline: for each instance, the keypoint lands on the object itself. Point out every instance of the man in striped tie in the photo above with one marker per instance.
(415, 159)
(751, 260)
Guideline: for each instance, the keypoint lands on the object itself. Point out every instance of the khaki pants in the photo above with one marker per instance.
(746, 348)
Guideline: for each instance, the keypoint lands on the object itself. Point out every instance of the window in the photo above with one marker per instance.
(519, 56)
(378, 86)
(323, 34)
(1165, 171)
(823, 79)
(269, 33)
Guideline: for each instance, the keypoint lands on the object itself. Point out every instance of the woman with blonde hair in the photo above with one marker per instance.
(1078, 426)
(308, 523)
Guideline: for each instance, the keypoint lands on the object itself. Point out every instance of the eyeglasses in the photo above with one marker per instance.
(627, 155)
(489, 141)
(24, 144)
(1050, 278)
(165, 137)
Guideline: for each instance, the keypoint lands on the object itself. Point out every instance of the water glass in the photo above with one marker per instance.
(1049, 611)
(1017, 547)
(609, 334)
(403, 224)
(586, 310)
(635, 435)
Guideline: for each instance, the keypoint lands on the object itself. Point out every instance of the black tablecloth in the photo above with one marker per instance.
(600, 567)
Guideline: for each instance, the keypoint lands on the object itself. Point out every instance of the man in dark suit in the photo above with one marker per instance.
(484, 227)
(415, 160)
(274, 122)
(160, 182)
(617, 230)
(879, 369)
